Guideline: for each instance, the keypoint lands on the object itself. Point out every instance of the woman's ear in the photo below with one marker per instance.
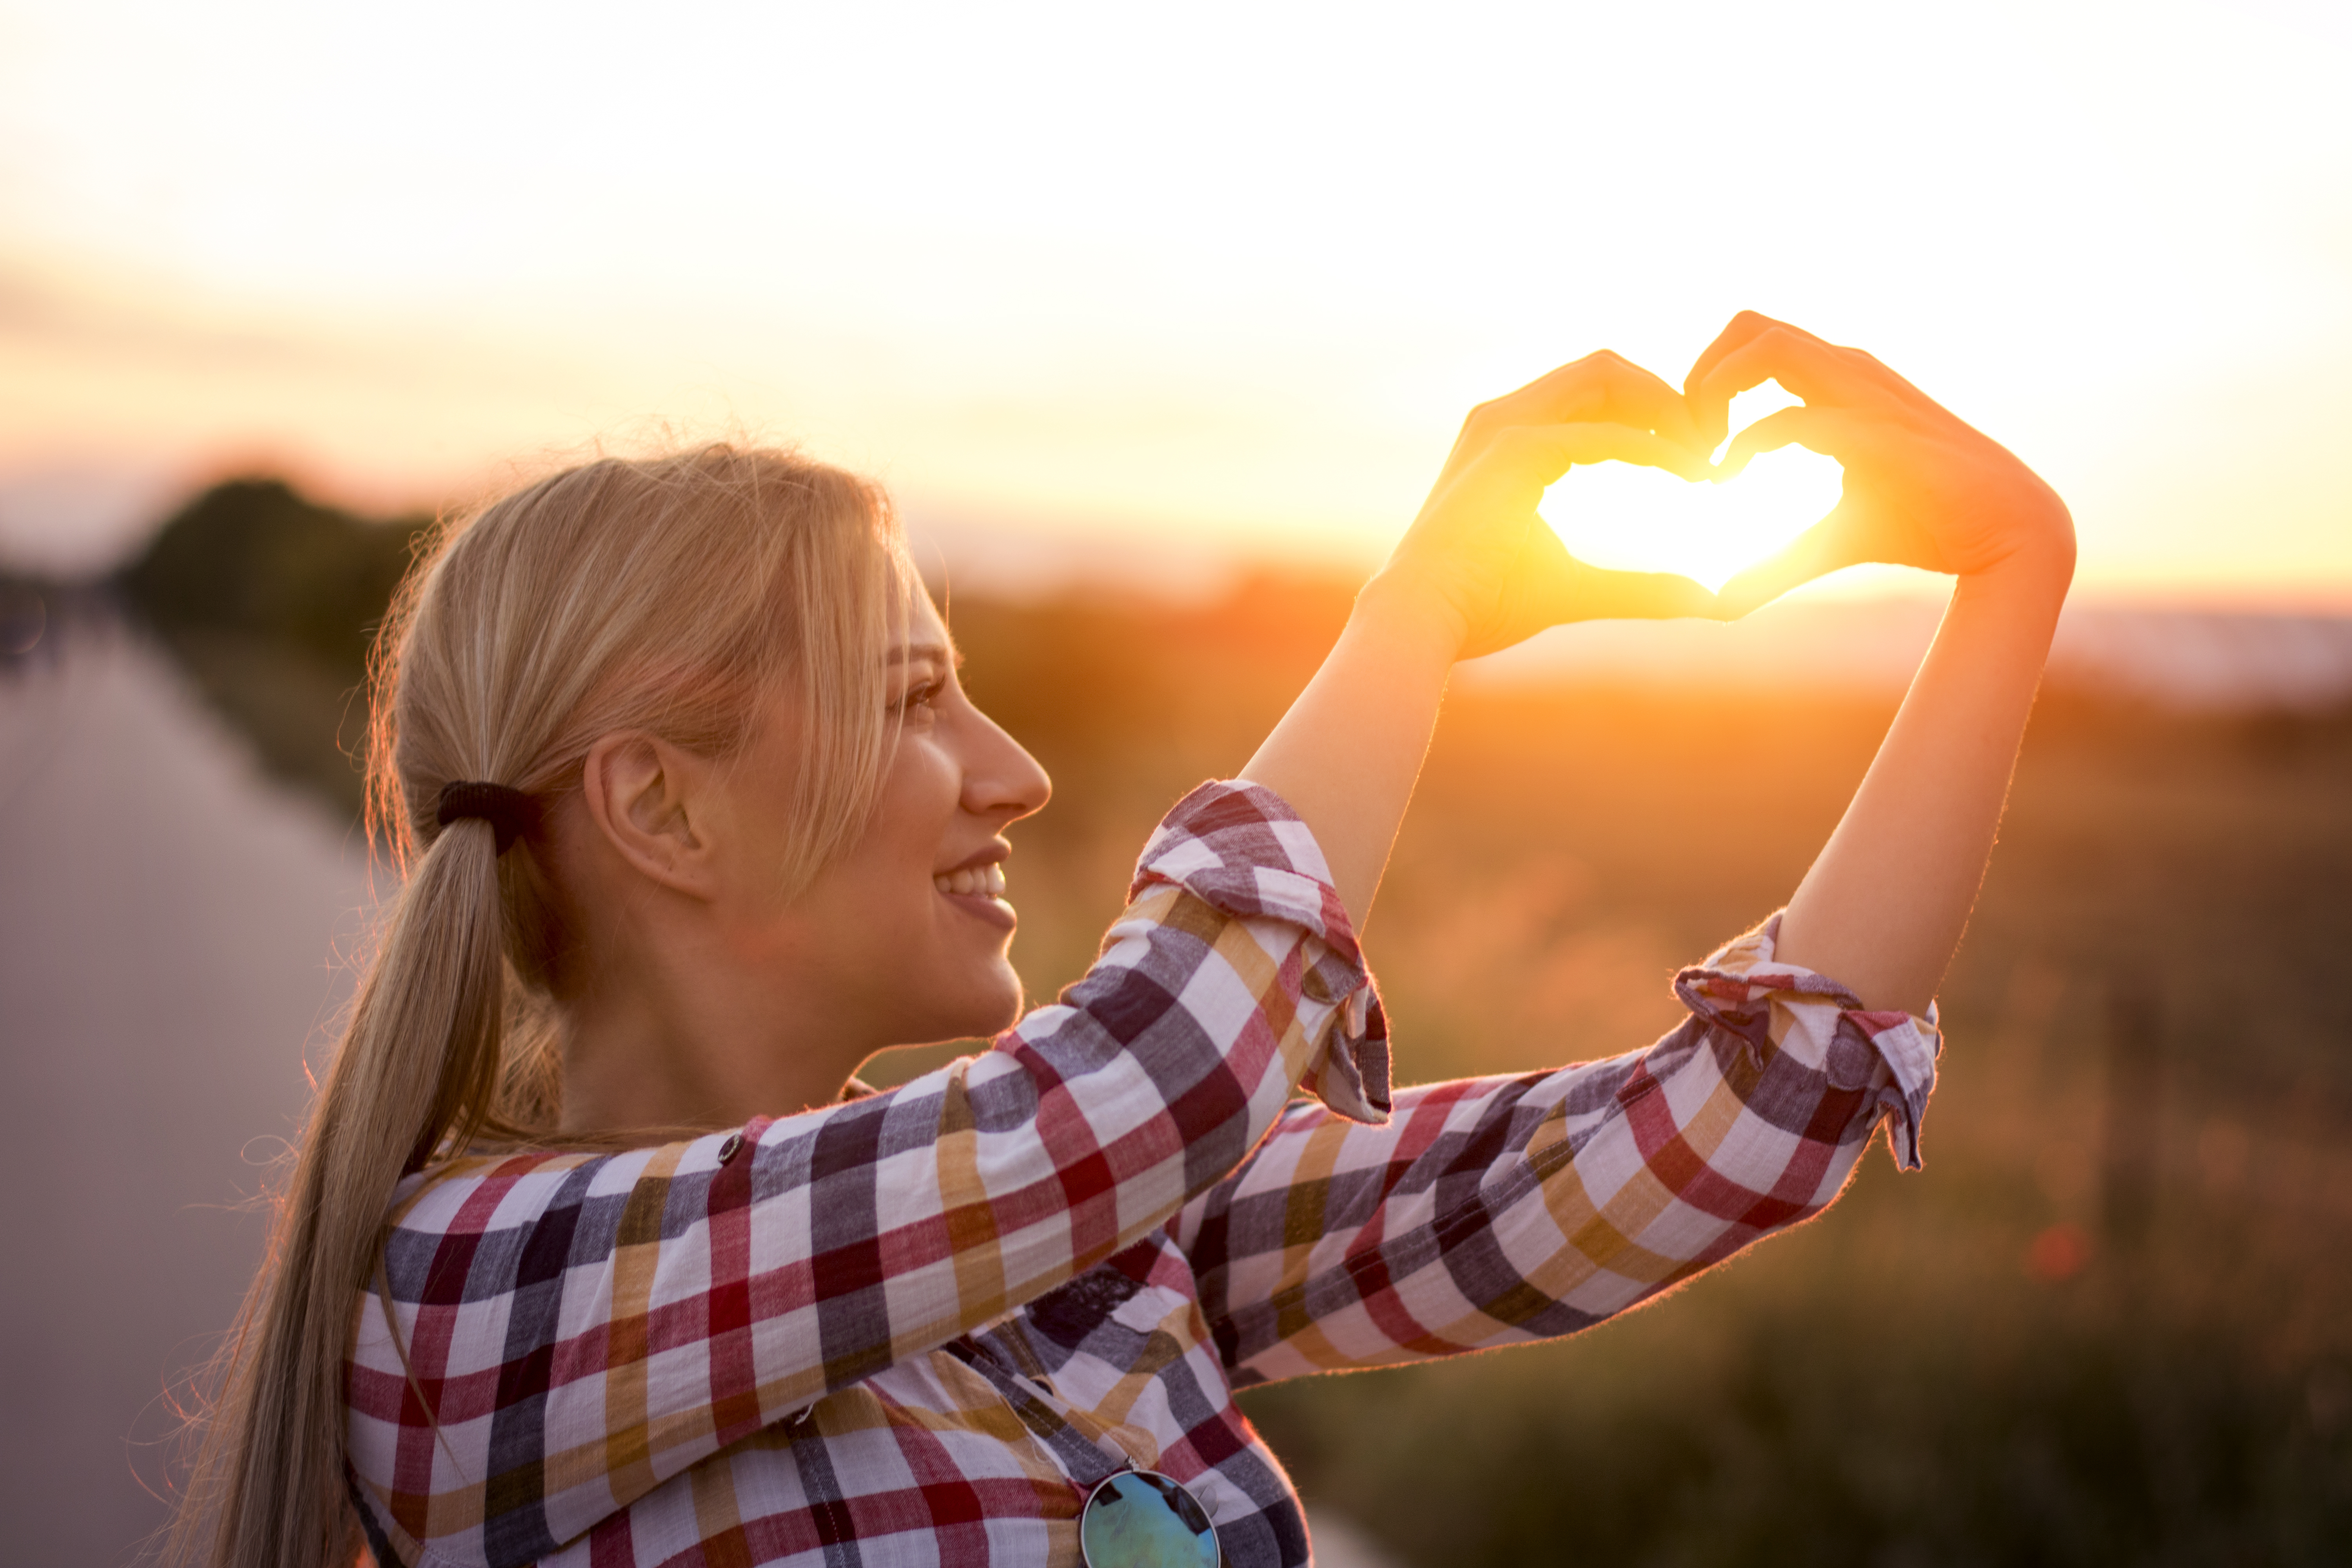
(647, 799)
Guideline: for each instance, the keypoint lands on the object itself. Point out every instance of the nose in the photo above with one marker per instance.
(1000, 777)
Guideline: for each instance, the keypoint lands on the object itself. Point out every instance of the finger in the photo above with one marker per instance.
(1824, 548)
(1521, 462)
(1831, 432)
(1599, 388)
(1802, 363)
(1606, 387)
(1737, 332)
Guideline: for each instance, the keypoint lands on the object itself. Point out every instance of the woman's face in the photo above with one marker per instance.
(902, 938)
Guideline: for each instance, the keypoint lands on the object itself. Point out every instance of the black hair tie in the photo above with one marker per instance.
(510, 813)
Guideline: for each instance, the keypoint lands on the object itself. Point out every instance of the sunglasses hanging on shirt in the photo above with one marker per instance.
(1141, 1519)
(1132, 1518)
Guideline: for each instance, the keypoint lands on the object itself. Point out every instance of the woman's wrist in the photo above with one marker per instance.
(2030, 582)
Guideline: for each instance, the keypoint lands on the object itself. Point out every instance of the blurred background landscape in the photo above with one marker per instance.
(2110, 1321)
(1156, 325)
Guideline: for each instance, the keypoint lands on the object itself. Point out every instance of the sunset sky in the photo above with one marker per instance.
(1169, 284)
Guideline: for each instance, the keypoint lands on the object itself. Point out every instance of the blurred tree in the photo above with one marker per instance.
(270, 601)
(255, 557)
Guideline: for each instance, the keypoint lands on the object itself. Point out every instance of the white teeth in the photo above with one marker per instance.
(972, 882)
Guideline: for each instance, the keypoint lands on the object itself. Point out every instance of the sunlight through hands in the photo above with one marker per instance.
(1624, 516)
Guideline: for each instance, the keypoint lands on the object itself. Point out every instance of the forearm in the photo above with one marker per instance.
(1523, 1182)
(1883, 906)
(1346, 754)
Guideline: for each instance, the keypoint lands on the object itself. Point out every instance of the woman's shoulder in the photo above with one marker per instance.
(488, 1190)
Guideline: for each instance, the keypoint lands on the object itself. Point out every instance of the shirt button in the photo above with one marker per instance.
(733, 1146)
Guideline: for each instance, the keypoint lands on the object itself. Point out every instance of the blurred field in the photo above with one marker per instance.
(2110, 1323)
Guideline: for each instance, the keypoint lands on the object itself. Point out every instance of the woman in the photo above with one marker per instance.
(697, 818)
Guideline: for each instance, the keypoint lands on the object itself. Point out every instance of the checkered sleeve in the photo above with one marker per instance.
(566, 1332)
(1493, 1211)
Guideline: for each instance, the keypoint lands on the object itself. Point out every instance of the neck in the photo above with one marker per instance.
(643, 1049)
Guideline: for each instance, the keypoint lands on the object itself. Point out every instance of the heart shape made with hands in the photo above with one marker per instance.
(1636, 518)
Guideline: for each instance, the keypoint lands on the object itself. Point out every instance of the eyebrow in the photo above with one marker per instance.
(941, 653)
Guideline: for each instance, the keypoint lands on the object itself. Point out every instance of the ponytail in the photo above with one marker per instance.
(437, 977)
(662, 595)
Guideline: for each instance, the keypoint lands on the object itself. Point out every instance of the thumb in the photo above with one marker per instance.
(1560, 589)
(1549, 587)
(1828, 546)
(1598, 594)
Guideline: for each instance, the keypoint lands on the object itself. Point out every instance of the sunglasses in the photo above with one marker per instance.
(1141, 1519)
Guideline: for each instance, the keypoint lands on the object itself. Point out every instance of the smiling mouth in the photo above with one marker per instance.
(972, 882)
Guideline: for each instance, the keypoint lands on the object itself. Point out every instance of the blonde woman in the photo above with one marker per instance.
(596, 1253)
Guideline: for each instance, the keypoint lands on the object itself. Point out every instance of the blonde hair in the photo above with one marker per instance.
(663, 594)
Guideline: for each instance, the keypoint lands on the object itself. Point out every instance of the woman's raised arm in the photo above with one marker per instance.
(1883, 907)
(554, 1335)
(1478, 571)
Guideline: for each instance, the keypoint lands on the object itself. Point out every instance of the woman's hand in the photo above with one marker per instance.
(1483, 563)
(1883, 909)
(1477, 571)
(1921, 488)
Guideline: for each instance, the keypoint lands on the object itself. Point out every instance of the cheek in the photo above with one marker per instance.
(912, 821)
(880, 889)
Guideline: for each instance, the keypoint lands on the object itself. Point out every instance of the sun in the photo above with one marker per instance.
(1636, 518)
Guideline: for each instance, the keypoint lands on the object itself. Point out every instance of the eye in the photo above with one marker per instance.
(921, 699)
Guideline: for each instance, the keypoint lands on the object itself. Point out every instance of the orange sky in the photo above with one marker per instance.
(1168, 286)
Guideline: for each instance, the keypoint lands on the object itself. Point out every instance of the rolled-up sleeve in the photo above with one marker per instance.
(1493, 1211)
(572, 1330)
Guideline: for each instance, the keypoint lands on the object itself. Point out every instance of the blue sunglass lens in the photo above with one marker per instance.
(1140, 1518)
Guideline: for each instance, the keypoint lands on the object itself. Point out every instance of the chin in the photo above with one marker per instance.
(985, 1005)
(1000, 1009)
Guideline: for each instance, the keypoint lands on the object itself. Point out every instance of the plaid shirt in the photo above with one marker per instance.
(915, 1328)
